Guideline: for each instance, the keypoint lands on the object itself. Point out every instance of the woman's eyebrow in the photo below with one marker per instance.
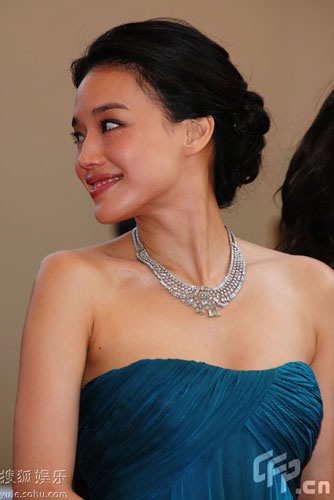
(108, 105)
(102, 109)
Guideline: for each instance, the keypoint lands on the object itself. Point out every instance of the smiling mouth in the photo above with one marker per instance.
(102, 183)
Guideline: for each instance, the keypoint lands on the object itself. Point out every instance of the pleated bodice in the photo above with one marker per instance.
(174, 429)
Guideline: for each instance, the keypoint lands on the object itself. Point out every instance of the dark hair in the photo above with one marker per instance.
(307, 223)
(192, 76)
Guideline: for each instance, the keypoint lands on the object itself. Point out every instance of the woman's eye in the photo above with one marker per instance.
(109, 125)
(77, 137)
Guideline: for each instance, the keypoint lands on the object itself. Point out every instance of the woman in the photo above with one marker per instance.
(307, 224)
(148, 386)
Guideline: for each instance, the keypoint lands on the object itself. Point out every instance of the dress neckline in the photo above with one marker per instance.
(191, 361)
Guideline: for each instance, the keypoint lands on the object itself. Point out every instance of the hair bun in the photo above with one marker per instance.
(250, 116)
(251, 122)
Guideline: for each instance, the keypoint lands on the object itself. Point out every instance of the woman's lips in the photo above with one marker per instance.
(98, 190)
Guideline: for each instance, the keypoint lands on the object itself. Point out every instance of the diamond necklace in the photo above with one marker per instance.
(200, 297)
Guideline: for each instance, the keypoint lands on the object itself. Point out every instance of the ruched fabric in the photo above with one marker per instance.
(174, 429)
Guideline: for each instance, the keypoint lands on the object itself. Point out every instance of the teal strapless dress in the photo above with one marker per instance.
(174, 429)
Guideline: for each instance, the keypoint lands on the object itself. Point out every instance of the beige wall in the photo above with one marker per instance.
(284, 47)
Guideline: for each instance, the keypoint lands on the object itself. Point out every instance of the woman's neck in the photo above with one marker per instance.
(190, 241)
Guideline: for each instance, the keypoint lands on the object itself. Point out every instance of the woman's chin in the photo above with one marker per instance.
(106, 218)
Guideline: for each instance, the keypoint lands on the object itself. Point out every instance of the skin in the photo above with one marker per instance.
(284, 311)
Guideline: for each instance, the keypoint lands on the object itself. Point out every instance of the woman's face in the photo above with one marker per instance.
(120, 131)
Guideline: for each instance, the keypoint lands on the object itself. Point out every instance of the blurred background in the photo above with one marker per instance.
(284, 49)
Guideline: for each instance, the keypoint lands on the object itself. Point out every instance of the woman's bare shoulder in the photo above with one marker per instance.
(296, 264)
(308, 280)
(93, 256)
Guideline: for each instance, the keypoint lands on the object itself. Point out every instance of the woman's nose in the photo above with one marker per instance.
(90, 153)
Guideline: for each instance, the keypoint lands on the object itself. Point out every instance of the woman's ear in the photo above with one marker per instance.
(198, 132)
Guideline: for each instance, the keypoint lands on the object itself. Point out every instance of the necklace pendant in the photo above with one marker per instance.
(202, 294)
(213, 312)
(204, 298)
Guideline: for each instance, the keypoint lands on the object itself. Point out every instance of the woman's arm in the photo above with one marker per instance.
(52, 363)
(321, 465)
